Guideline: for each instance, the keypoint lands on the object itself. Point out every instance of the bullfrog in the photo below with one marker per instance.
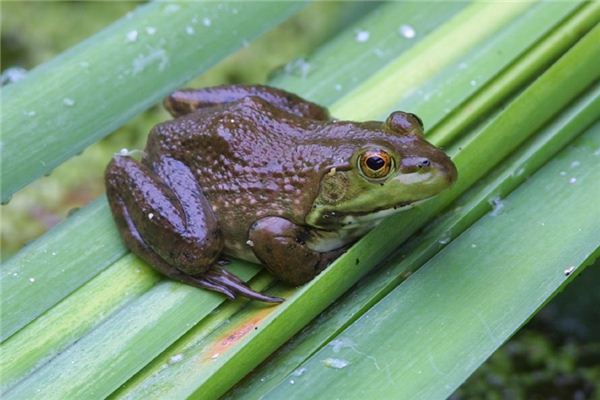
(258, 173)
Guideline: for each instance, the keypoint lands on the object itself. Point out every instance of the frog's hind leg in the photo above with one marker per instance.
(153, 211)
(186, 101)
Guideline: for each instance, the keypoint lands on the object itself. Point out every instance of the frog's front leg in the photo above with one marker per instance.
(189, 100)
(165, 219)
(280, 245)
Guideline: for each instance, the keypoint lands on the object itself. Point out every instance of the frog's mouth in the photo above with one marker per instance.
(353, 220)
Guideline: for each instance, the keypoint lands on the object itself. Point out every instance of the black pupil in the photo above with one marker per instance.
(375, 162)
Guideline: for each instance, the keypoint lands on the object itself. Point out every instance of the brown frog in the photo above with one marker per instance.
(261, 174)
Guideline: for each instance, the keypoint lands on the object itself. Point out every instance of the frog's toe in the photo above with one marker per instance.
(208, 284)
(220, 277)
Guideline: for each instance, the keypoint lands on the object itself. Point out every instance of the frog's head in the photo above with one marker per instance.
(379, 169)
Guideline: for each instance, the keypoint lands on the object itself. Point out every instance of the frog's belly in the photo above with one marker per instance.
(320, 241)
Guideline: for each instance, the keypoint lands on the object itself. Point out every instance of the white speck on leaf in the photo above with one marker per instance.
(84, 64)
(338, 87)
(473, 82)
(299, 67)
(362, 36)
(29, 113)
(573, 180)
(67, 101)
(131, 36)
(150, 30)
(175, 359)
(206, 21)
(575, 164)
(336, 363)
(497, 206)
(150, 216)
(189, 30)
(299, 371)
(31, 280)
(407, 31)
(154, 56)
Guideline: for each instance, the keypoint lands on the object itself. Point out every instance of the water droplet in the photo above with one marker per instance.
(150, 30)
(29, 113)
(362, 36)
(407, 31)
(298, 67)
(206, 21)
(338, 87)
(69, 102)
(84, 64)
(131, 36)
(336, 363)
(13, 74)
(176, 358)
(497, 205)
(31, 280)
(473, 82)
(575, 164)
(299, 371)
(569, 270)
(573, 180)
(189, 30)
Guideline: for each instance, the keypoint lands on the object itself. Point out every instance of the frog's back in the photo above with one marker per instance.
(251, 160)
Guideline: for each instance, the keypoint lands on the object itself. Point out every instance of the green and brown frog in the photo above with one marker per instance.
(261, 174)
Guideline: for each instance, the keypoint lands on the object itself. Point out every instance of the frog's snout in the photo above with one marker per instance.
(442, 165)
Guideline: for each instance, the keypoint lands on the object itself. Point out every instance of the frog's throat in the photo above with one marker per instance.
(352, 227)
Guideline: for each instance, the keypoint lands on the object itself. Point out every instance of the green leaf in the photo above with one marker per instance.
(213, 370)
(129, 322)
(75, 99)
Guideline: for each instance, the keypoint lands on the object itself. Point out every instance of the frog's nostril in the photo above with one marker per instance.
(424, 163)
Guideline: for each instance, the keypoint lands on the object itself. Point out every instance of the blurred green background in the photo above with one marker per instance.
(556, 355)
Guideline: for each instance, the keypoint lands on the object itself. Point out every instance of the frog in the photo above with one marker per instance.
(260, 174)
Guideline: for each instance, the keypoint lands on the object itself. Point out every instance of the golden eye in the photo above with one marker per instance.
(375, 164)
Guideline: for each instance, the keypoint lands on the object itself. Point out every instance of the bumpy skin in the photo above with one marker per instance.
(241, 171)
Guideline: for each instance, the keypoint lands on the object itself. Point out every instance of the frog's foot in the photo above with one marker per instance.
(223, 281)
(280, 245)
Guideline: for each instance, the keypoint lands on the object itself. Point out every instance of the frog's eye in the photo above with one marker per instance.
(419, 120)
(375, 164)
